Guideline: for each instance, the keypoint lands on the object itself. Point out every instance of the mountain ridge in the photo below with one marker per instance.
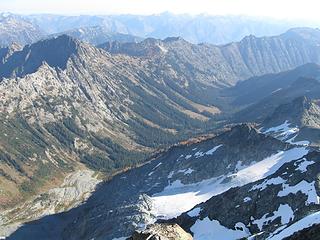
(235, 61)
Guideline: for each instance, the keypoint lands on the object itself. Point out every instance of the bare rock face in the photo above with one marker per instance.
(162, 232)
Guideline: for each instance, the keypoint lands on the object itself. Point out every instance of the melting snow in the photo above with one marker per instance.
(179, 158)
(171, 174)
(304, 187)
(211, 151)
(177, 197)
(247, 199)
(239, 166)
(284, 211)
(283, 130)
(154, 169)
(194, 212)
(188, 171)
(297, 226)
(184, 171)
(302, 143)
(199, 154)
(210, 230)
(303, 164)
(162, 48)
(277, 90)
(267, 182)
(157, 165)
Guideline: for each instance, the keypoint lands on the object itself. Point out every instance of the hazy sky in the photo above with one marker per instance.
(286, 9)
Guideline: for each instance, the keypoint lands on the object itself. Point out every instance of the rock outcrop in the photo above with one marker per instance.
(161, 232)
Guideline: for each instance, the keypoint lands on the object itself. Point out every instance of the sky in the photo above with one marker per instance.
(279, 9)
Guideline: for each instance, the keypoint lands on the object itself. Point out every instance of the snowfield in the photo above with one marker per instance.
(177, 197)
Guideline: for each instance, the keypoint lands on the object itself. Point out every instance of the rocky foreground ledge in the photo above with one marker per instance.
(161, 232)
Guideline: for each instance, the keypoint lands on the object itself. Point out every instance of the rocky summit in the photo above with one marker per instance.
(108, 132)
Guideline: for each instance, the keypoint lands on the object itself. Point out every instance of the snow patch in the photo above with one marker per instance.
(162, 48)
(188, 171)
(283, 130)
(284, 211)
(157, 165)
(210, 230)
(211, 151)
(194, 212)
(199, 154)
(301, 143)
(268, 182)
(303, 187)
(303, 164)
(239, 166)
(184, 171)
(171, 174)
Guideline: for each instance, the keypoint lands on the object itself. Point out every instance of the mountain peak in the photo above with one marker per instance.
(54, 51)
(248, 38)
(244, 128)
(242, 133)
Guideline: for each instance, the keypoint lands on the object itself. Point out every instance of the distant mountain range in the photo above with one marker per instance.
(163, 123)
(98, 35)
(96, 29)
(196, 29)
(18, 29)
